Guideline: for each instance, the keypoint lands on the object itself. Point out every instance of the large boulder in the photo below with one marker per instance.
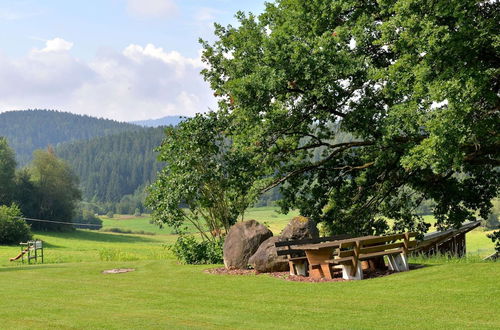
(300, 228)
(242, 241)
(266, 260)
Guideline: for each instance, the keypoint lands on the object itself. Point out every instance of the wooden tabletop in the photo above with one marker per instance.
(332, 244)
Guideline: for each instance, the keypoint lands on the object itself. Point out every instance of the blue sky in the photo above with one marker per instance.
(120, 59)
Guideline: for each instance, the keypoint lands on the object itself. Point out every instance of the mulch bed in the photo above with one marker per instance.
(367, 274)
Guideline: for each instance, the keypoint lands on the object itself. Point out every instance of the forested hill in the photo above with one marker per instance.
(29, 130)
(116, 165)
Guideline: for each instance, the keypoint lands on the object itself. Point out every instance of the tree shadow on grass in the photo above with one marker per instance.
(83, 235)
(27, 267)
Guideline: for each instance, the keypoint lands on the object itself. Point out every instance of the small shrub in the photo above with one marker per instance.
(86, 217)
(12, 229)
(137, 212)
(110, 214)
(188, 250)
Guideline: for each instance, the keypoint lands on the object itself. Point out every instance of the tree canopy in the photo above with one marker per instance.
(413, 83)
(56, 188)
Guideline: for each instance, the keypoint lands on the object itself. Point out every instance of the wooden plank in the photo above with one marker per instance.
(339, 260)
(382, 239)
(381, 247)
(312, 240)
(346, 253)
(379, 254)
(297, 258)
(355, 259)
(289, 252)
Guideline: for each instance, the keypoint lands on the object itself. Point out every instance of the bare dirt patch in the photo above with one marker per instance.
(118, 270)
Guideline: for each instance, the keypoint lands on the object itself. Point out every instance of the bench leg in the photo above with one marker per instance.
(291, 264)
(327, 273)
(398, 262)
(298, 268)
(347, 271)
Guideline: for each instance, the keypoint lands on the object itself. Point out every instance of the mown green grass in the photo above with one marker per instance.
(162, 294)
(141, 223)
(86, 245)
(70, 292)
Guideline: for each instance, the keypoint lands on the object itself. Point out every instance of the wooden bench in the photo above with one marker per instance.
(296, 257)
(350, 253)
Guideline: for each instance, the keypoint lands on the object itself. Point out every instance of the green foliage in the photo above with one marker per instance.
(7, 169)
(87, 217)
(57, 190)
(115, 168)
(189, 250)
(362, 110)
(495, 238)
(29, 130)
(492, 221)
(110, 214)
(13, 230)
(204, 174)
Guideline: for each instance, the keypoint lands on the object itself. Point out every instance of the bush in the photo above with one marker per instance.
(137, 212)
(12, 229)
(188, 250)
(110, 214)
(87, 217)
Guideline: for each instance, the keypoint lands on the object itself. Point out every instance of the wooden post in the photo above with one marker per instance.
(356, 258)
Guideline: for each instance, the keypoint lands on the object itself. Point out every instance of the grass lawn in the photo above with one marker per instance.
(163, 294)
(70, 292)
(134, 223)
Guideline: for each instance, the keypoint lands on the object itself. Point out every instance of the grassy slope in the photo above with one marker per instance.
(70, 291)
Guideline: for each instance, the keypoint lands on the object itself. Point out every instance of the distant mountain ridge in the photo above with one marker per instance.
(164, 121)
(28, 130)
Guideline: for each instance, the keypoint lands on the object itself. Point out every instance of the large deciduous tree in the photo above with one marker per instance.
(414, 84)
(56, 186)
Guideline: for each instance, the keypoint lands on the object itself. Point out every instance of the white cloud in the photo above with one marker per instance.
(151, 8)
(140, 82)
(57, 45)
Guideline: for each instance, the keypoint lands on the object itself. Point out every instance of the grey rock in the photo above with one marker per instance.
(266, 260)
(300, 228)
(242, 241)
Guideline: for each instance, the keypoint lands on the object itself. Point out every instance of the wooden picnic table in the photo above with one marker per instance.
(318, 253)
(347, 254)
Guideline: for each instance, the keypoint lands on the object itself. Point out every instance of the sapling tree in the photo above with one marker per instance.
(206, 182)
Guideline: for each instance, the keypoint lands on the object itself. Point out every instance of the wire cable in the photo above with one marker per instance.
(60, 222)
